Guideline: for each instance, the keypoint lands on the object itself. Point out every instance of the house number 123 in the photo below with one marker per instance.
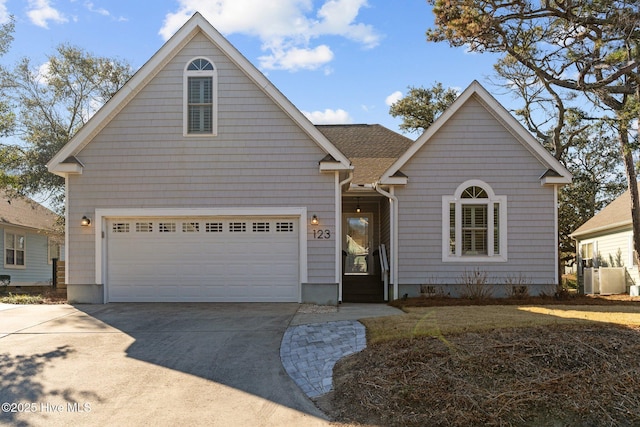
(322, 234)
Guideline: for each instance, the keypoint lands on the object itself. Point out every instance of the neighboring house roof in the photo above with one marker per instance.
(556, 173)
(370, 148)
(63, 162)
(615, 215)
(23, 212)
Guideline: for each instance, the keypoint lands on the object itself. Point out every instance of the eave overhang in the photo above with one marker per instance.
(70, 166)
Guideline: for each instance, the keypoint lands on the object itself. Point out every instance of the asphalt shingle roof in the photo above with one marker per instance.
(615, 214)
(372, 149)
(24, 212)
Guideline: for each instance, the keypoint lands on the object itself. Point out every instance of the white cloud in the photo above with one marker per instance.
(44, 71)
(100, 10)
(40, 12)
(5, 16)
(294, 59)
(328, 117)
(393, 98)
(337, 18)
(91, 7)
(286, 28)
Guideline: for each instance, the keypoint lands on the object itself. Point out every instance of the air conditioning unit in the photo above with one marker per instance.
(612, 280)
(591, 280)
(605, 280)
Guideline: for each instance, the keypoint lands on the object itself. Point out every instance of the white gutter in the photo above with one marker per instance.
(558, 278)
(393, 249)
(338, 258)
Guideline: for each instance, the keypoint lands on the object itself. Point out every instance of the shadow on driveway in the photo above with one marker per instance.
(199, 363)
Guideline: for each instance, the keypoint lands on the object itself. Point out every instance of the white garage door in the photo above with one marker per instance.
(202, 259)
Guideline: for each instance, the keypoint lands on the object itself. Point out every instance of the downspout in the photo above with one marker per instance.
(557, 234)
(393, 221)
(346, 181)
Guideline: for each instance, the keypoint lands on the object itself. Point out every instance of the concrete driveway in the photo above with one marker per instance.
(148, 364)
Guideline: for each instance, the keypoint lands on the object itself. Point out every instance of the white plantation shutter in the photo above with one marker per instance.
(200, 104)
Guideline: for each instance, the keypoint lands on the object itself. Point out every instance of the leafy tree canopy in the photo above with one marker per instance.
(422, 106)
(51, 102)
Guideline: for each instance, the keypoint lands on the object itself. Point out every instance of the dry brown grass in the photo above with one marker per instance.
(573, 365)
(438, 321)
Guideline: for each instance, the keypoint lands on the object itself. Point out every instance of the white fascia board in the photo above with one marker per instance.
(64, 169)
(101, 215)
(334, 166)
(495, 108)
(394, 180)
(617, 227)
(556, 180)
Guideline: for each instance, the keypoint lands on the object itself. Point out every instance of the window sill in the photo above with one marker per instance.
(200, 135)
(15, 267)
(475, 259)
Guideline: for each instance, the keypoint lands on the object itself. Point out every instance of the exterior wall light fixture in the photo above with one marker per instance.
(314, 220)
(85, 222)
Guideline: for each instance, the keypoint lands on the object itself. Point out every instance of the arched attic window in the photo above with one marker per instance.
(200, 98)
(474, 224)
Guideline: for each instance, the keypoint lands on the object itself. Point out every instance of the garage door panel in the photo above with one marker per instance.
(191, 264)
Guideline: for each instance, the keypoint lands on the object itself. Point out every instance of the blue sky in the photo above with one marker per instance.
(339, 61)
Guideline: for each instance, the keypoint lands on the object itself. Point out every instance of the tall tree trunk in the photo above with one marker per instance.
(627, 155)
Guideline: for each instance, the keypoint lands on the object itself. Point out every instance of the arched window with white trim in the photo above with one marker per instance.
(200, 98)
(474, 224)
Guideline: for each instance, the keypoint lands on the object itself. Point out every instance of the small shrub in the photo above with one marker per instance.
(428, 291)
(21, 299)
(517, 286)
(474, 285)
(5, 279)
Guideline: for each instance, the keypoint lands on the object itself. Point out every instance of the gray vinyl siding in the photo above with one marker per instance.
(38, 270)
(474, 145)
(259, 158)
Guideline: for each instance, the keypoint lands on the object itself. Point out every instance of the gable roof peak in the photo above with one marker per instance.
(477, 91)
(197, 23)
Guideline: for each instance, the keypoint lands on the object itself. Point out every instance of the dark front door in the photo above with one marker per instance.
(361, 280)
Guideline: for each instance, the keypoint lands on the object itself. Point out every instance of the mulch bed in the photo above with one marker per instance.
(546, 376)
(542, 376)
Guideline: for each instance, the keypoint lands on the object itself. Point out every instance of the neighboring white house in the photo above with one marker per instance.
(202, 182)
(606, 240)
(30, 240)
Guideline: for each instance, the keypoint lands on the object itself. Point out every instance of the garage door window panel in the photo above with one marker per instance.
(213, 227)
(190, 227)
(237, 227)
(120, 227)
(284, 227)
(167, 227)
(144, 227)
